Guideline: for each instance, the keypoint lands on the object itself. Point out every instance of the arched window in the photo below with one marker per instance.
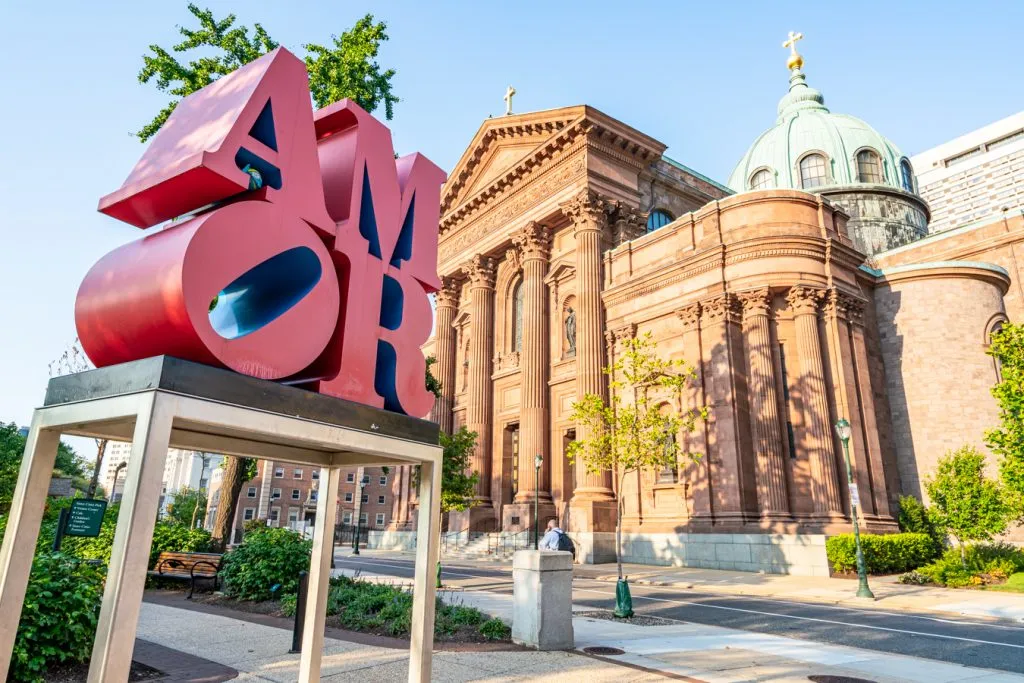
(906, 176)
(994, 328)
(517, 317)
(869, 166)
(812, 171)
(761, 180)
(657, 219)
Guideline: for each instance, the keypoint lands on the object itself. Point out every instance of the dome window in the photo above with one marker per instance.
(812, 171)
(906, 176)
(657, 219)
(762, 180)
(869, 167)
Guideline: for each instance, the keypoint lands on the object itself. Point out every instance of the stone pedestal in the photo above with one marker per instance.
(542, 600)
(517, 517)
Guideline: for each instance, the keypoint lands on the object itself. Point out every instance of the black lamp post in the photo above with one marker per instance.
(359, 519)
(843, 431)
(537, 462)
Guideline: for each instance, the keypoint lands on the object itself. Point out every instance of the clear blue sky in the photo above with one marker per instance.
(702, 77)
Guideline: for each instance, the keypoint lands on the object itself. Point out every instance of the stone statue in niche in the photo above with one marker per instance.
(570, 330)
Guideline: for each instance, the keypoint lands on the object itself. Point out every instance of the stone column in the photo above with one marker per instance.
(480, 271)
(592, 505)
(447, 304)
(769, 457)
(534, 243)
(817, 433)
(588, 214)
(697, 474)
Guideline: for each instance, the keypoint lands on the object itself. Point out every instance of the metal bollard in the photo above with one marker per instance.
(300, 613)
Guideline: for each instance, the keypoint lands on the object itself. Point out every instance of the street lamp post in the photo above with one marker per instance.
(843, 431)
(359, 518)
(537, 462)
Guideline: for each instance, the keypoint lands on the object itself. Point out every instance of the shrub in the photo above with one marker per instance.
(495, 629)
(967, 504)
(915, 578)
(267, 559)
(915, 518)
(980, 565)
(883, 554)
(58, 621)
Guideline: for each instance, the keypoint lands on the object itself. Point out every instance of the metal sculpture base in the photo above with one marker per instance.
(162, 402)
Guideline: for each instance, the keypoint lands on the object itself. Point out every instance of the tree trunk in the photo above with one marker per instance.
(230, 489)
(963, 554)
(101, 449)
(195, 511)
(618, 527)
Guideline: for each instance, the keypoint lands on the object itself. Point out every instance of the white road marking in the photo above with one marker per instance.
(399, 563)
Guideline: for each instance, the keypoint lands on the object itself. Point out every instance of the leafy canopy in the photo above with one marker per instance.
(637, 427)
(346, 67)
(12, 449)
(1007, 441)
(189, 505)
(967, 504)
(457, 487)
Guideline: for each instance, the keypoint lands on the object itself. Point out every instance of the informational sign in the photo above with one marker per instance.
(85, 517)
(854, 495)
(300, 250)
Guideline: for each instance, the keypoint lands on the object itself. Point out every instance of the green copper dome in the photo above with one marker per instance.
(811, 148)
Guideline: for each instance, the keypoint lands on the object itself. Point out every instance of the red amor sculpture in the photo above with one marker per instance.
(308, 256)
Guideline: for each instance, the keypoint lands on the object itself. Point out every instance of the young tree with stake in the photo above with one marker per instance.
(630, 432)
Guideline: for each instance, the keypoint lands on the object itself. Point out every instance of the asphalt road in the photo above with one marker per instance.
(972, 642)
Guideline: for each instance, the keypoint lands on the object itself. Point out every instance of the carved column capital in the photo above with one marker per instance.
(448, 295)
(480, 271)
(690, 316)
(629, 224)
(756, 303)
(624, 333)
(533, 240)
(845, 306)
(587, 210)
(725, 308)
(804, 300)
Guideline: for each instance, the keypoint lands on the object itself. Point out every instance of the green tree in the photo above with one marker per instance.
(347, 67)
(189, 504)
(637, 427)
(968, 505)
(458, 484)
(12, 450)
(1007, 441)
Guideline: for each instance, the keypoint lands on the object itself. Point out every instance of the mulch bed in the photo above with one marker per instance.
(268, 613)
(635, 620)
(79, 673)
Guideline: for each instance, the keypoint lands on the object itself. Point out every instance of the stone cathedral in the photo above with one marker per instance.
(805, 291)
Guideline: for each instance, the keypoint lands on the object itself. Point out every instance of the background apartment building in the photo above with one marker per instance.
(977, 177)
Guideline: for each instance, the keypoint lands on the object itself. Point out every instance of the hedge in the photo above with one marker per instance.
(884, 554)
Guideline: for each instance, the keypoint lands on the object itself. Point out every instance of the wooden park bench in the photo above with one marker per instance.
(188, 567)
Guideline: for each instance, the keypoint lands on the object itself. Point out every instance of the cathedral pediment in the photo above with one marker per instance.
(499, 146)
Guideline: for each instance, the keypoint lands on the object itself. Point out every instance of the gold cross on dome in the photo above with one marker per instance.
(508, 99)
(791, 43)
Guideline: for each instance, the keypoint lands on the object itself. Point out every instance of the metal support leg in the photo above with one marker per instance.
(126, 577)
(424, 592)
(22, 532)
(319, 576)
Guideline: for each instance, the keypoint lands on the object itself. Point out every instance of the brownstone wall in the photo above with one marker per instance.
(933, 324)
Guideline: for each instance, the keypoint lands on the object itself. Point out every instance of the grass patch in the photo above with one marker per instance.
(1014, 584)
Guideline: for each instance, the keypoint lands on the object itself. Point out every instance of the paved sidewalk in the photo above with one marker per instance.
(720, 655)
(260, 653)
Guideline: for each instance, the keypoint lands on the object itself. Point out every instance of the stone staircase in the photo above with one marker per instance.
(497, 545)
